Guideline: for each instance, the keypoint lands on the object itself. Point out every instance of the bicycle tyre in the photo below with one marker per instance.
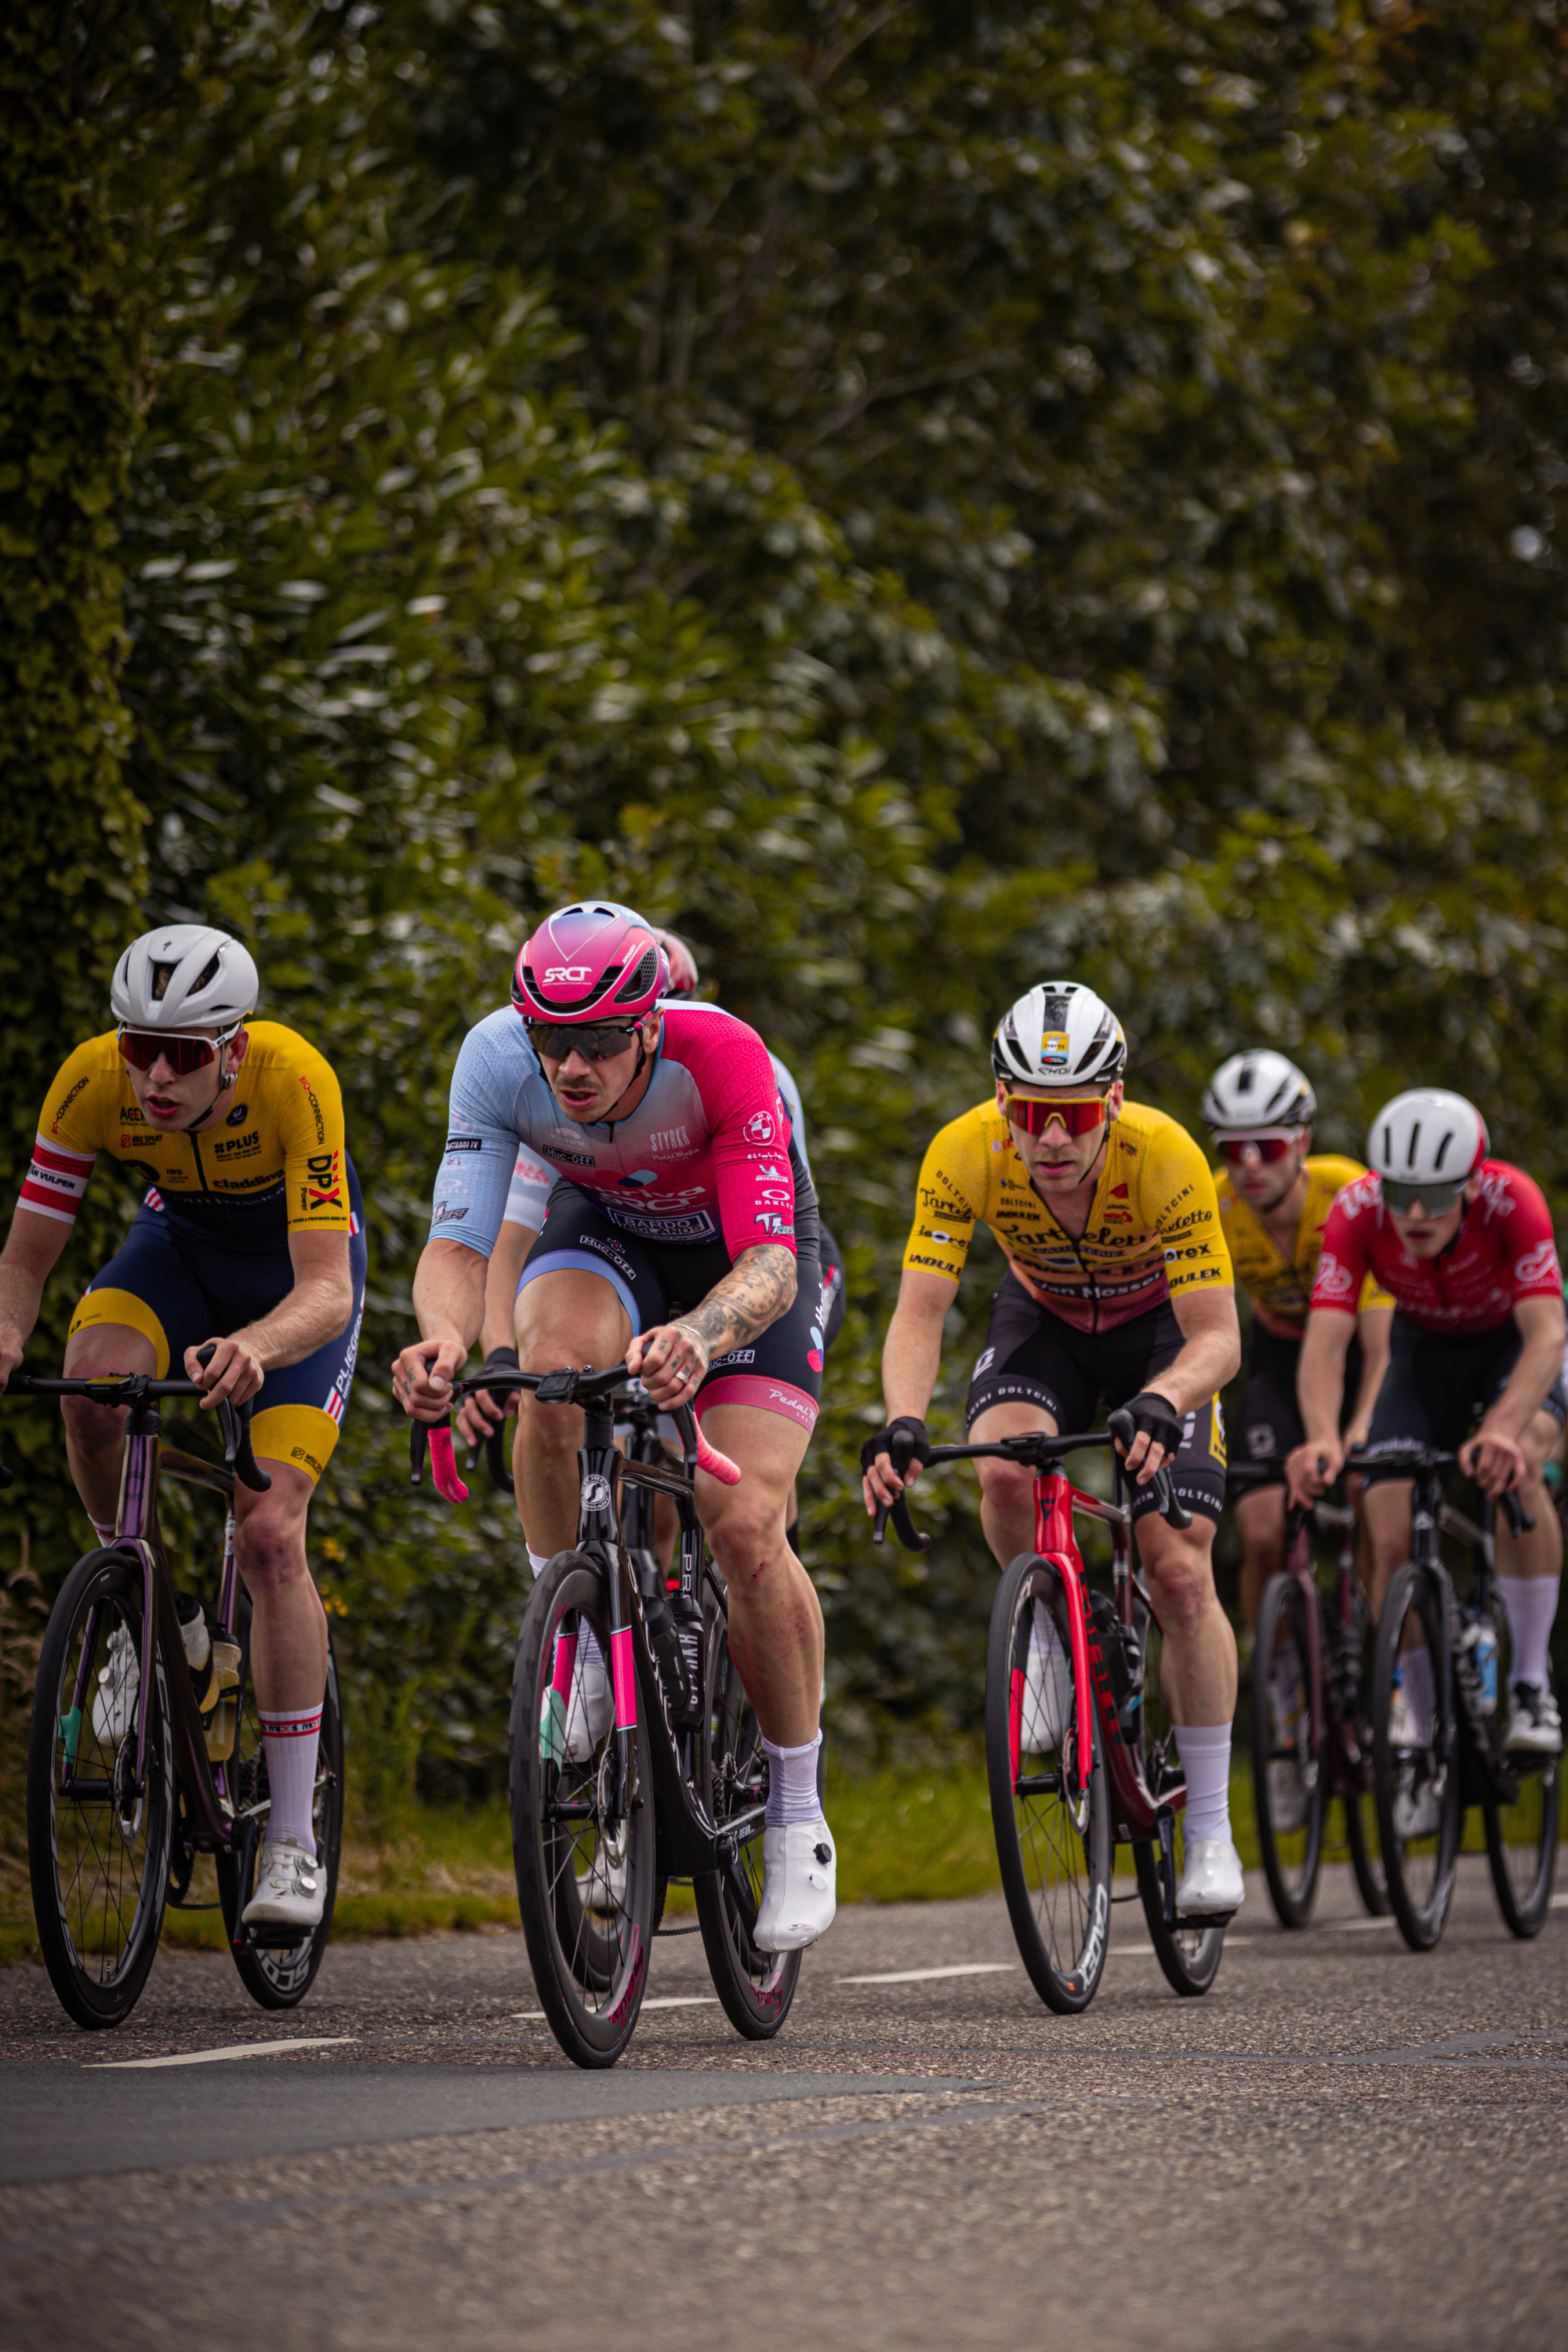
(1366, 1861)
(1189, 1955)
(756, 1988)
(1293, 1857)
(1045, 1837)
(104, 1589)
(1420, 1886)
(280, 1977)
(592, 2001)
(1522, 1831)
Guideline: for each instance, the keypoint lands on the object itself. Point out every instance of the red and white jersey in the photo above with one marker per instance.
(1504, 1251)
(707, 1154)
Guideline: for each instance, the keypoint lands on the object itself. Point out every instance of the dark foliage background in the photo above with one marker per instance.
(913, 494)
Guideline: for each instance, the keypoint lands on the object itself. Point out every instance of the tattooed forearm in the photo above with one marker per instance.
(758, 1290)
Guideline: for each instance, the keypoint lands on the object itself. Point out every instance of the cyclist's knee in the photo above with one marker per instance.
(1182, 1573)
(95, 1431)
(270, 1550)
(744, 1531)
(1008, 1486)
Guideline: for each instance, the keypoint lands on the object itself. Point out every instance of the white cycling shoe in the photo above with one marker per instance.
(119, 1680)
(590, 1711)
(1211, 1880)
(1534, 1724)
(1048, 1688)
(800, 1870)
(291, 1889)
(1418, 1808)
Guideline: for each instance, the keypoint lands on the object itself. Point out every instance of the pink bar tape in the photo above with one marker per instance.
(624, 1674)
(565, 1658)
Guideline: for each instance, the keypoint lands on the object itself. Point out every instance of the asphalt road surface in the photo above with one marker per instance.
(1343, 2145)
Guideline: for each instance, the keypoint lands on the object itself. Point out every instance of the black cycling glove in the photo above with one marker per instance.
(903, 1440)
(500, 1360)
(1158, 1416)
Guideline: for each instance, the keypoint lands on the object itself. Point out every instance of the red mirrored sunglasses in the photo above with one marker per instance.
(142, 1048)
(1079, 1114)
(1233, 1149)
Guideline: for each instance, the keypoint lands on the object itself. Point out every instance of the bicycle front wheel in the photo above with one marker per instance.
(1289, 1786)
(279, 1976)
(1521, 1808)
(98, 1848)
(1053, 1834)
(755, 1987)
(582, 1826)
(1415, 1785)
(1189, 1951)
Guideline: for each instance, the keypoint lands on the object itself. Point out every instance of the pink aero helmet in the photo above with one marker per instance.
(590, 962)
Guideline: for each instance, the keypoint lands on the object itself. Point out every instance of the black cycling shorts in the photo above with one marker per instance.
(1032, 1357)
(779, 1371)
(830, 1320)
(1438, 1386)
(1270, 1416)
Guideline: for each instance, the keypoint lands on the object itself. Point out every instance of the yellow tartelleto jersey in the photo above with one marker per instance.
(1153, 1227)
(274, 1164)
(1279, 1286)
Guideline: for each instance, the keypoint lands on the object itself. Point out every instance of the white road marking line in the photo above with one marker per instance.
(212, 2057)
(1559, 1903)
(1355, 1927)
(925, 1976)
(682, 2000)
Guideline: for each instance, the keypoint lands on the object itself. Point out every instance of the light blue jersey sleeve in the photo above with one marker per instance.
(471, 1184)
(792, 1103)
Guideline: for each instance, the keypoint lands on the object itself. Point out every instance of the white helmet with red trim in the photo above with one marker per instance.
(1428, 1136)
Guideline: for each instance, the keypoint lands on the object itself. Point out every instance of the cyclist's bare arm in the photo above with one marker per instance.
(316, 1310)
(488, 1408)
(1211, 1355)
(672, 1360)
(1320, 1393)
(1372, 1327)
(449, 1305)
(1495, 1456)
(911, 1358)
(26, 1262)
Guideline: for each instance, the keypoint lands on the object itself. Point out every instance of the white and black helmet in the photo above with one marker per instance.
(1060, 1034)
(1256, 1089)
(184, 976)
(1428, 1137)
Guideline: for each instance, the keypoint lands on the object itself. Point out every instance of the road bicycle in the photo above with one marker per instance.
(1071, 1779)
(673, 1785)
(1311, 1723)
(1439, 1747)
(137, 1763)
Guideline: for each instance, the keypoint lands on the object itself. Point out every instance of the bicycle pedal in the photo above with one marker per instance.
(1202, 1919)
(277, 1938)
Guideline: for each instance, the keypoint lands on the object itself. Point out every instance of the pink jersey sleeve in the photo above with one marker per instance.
(1343, 1265)
(749, 1133)
(1529, 1243)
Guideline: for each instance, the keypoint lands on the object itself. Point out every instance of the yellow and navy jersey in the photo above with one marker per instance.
(274, 1163)
(1153, 1227)
(1277, 1285)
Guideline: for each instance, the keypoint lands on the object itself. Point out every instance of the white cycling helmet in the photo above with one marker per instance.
(185, 976)
(1256, 1089)
(1060, 1034)
(1428, 1137)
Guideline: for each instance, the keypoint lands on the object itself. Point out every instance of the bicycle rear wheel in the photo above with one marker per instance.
(1417, 1789)
(755, 1987)
(97, 1855)
(1053, 1837)
(583, 1841)
(279, 1977)
(1289, 1785)
(1189, 1950)
(1522, 1809)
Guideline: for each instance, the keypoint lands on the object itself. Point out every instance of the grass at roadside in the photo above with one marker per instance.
(903, 1837)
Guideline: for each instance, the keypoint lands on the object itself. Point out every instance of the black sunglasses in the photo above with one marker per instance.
(597, 1041)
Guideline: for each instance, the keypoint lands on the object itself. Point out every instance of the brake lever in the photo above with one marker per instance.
(1172, 1508)
(234, 1420)
(1514, 1512)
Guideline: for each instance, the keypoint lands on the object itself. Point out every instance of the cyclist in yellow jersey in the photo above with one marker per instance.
(1274, 1201)
(250, 1235)
(1119, 1291)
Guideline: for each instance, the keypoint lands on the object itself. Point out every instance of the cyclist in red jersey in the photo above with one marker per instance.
(1465, 1245)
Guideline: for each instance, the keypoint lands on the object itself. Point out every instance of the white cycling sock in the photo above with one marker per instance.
(588, 1651)
(1205, 1751)
(1045, 1642)
(105, 1534)
(1420, 1689)
(791, 1784)
(1532, 1605)
(535, 1561)
(290, 1742)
